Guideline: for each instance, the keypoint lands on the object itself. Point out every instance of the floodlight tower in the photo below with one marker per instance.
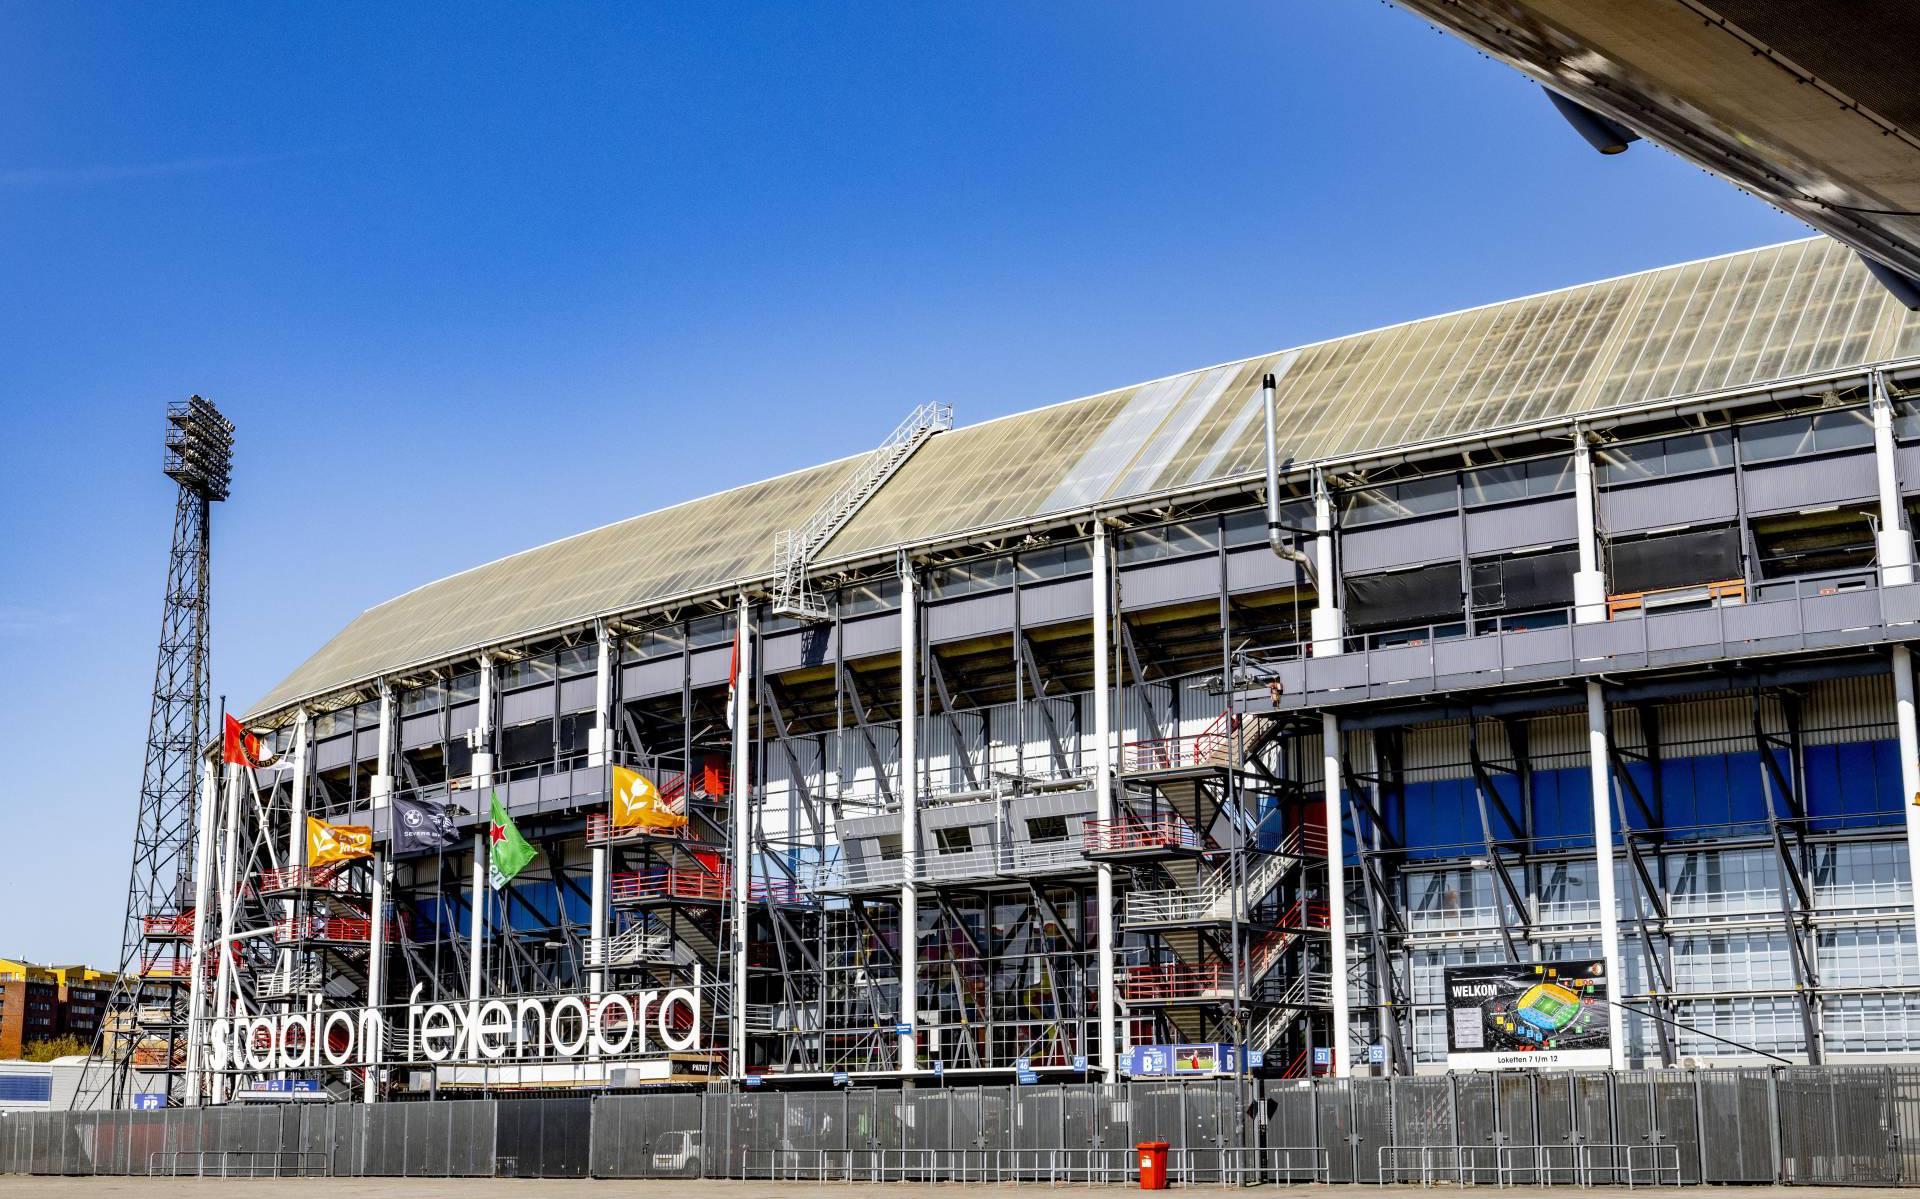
(145, 1027)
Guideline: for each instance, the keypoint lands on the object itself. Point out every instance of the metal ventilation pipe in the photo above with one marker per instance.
(1277, 540)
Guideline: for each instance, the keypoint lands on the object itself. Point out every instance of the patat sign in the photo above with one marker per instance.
(544, 1028)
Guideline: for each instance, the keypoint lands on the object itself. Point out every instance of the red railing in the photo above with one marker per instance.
(630, 886)
(349, 930)
(332, 877)
(714, 886)
(601, 829)
(1212, 746)
(1302, 1065)
(1175, 981)
(167, 965)
(170, 924)
(1127, 835)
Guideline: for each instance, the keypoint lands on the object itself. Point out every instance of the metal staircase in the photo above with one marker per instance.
(1215, 898)
(793, 549)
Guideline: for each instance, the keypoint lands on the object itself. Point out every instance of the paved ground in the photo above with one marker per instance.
(13, 1187)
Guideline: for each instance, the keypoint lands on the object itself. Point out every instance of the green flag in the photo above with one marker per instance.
(507, 851)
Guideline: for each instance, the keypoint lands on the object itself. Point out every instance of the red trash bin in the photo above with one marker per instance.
(1153, 1165)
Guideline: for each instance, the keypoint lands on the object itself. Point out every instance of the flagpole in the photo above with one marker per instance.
(482, 786)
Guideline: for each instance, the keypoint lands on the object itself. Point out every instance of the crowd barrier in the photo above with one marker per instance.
(1849, 1125)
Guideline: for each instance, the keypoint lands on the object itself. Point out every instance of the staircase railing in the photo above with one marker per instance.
(793, 549)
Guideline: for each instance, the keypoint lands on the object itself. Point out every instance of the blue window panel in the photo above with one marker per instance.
(1854, 785)
(26, 1088)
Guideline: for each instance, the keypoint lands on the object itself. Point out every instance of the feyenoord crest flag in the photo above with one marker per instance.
(239, 747)
(507, 851)
(419, 827)
(328, 843)
(637, 802)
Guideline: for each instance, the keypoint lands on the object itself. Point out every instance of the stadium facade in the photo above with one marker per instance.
(1042, 749)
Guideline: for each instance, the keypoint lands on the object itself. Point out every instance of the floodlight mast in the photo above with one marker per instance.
(146, 1025)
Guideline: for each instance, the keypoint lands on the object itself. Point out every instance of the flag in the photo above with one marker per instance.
(241, 748)
(507, 851)
(337, 842)
(733, 675)
(637, 802)
(419, 826)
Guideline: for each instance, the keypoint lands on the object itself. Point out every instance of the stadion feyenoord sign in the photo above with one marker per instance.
(481, 1032)
(1527, 1015)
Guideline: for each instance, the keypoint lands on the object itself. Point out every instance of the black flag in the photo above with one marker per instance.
(419, 826)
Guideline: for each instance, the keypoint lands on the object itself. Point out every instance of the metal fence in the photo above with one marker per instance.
(1856, 1125)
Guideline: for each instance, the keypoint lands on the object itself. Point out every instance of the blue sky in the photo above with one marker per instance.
(470, 278)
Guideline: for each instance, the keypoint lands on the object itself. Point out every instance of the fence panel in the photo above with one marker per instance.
(1372, 1124)
(1737, 1105)
(1837, 1126)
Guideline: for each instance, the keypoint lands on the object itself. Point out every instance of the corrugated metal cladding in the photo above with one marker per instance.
(1833, 712)
(1742, 319)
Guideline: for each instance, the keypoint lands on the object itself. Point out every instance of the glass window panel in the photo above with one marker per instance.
(1056, 561)
(579, 660)
(1169, 541)
(1393, 501)
(874, 595)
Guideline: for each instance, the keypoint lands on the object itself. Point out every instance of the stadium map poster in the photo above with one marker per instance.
(1527, 1015)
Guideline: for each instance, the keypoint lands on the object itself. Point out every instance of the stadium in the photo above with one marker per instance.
(1056, 746)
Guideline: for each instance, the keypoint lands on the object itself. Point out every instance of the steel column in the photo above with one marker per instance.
(203, 868)
(377, 901)
(599, 759)
(482, 740)
(1336, 893)
(1103, 798)
(909, 819)
(1599, 779)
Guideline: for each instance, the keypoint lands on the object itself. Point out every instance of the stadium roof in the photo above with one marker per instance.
(1766, 315)
(1806, 105)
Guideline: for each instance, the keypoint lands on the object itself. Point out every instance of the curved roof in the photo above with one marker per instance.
(1741, 319)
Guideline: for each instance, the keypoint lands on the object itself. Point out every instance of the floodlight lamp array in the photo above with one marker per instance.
(200, 448)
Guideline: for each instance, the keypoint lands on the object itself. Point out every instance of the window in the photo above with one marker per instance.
(876, 595)
(1518, 480)
(579, 660)
(1047, 828)
(1664, 456)
(652, 643)
(953, 840)
(1056, 561)
(1395, 501)
(1176, 540)
(421, 699)
(967, 578)
(1848, 428)
(710, 630)
(888, 845)
(527, 672)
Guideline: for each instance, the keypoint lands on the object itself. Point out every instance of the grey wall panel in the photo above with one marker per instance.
(1169, 582)
(870, 635)
(659, 676)
(576, 695)
(461, 718)
(1406, 543)
(709, 666)
(963, 815)
(1702, 499)
(1048, 603)
(969, 617)
(1515, 526)
(535, 703)
(333, 752)
(367, 744)
(1784, 486)
(1906, 460)
(799, 647)
(423, 729)
(1258, 569)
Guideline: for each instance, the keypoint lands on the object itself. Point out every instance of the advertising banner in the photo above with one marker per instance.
(1527, 1015)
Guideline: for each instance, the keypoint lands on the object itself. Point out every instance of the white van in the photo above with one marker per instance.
(677, 1153)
